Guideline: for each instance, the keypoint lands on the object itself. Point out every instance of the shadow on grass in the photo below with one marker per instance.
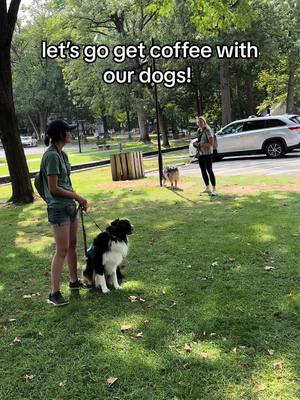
(200, 267)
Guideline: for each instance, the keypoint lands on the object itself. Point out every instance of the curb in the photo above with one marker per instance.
(95, 164)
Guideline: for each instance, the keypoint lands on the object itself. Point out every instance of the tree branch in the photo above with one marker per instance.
(147, 20)
(12, 16)
(235, 4)
(101, 33)
(93, 21)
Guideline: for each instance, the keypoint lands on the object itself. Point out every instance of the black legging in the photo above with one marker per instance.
(205, 163)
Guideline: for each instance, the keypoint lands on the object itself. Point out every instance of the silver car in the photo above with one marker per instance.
(28, 141)
(274, 136)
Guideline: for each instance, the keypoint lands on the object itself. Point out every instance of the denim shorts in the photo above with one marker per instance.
(64, 215)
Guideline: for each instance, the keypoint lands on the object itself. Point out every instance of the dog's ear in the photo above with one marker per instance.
(115, 222)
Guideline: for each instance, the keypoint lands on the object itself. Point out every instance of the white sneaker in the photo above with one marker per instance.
(214, 192)
(207, 190)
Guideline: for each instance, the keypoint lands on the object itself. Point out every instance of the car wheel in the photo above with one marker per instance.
(274, 149)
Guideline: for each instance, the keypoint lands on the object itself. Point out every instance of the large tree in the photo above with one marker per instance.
(22, 191)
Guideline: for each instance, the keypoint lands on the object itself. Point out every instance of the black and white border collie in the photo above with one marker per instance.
(106, 255)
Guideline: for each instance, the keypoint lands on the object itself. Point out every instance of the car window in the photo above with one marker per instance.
(254, 125)
(273, 123)
(295, 118)
(233, 128)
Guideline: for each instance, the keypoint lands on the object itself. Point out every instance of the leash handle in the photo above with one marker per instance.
(83, 231)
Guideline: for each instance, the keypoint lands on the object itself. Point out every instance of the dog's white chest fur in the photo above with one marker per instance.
(114, 256)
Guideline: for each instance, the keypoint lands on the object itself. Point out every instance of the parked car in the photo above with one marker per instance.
(274, 136)
(28, 141)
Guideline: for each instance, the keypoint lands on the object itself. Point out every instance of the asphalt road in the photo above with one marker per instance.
(250, 165)
(41, 149)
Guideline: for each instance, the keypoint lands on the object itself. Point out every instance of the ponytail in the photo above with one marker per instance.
(47, 140)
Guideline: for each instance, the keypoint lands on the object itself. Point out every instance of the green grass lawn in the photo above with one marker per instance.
(92, 154)
(210, 321)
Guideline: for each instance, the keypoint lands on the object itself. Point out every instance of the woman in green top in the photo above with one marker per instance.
(61, 207)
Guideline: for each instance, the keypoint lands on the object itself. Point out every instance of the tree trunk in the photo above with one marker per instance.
(250, 97)
(198, 101)
(43, 119)
(105, 125)
(128, 124)
(144, 133)
(163, 127)
(225, 92)
(290, 105)
(36, 131)
(22, 191)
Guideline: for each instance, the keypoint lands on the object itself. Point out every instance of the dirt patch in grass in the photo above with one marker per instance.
(137, 183)
(234, 189)
(242, 190)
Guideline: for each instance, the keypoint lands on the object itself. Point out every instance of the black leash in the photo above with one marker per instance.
(83, 227)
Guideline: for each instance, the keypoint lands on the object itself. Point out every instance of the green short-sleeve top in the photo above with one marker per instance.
(56, 163)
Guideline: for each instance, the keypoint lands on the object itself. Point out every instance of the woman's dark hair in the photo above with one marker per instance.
(56, 131)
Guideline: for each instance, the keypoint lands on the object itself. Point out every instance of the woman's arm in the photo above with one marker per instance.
(56, 190)
(208, 144)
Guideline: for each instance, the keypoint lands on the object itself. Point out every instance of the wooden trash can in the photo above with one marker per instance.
(127, 166)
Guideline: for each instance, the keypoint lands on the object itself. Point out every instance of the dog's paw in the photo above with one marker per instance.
(105, 291)
(118, 288)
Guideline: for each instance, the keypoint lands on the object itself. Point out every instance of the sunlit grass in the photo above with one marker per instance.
(209, 321)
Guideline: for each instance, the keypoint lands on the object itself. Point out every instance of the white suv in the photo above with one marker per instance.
(28, 141)
(274, 136)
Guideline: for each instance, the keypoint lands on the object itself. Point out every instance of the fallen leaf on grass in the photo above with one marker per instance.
(188, 266)
(15, 341)
(269, 268)
(62, 384)
(142, 300)
(133, 299)
(12, 320)
(187, 348)
(29, 377)
(278, 365)
(111, 381)
(215, 264)
(140, 334)
(204, 355)
(270, 352)
(234, 349)
(126, 327)
(30, 296)
(151, 386)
